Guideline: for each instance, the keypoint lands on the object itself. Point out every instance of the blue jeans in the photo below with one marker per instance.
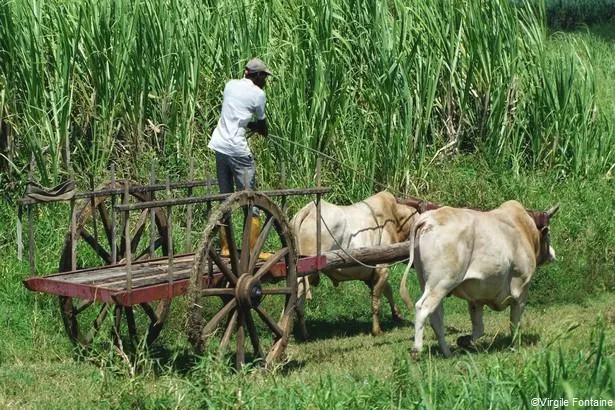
(235, 173)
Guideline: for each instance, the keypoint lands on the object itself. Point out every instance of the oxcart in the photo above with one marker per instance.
(118, 269)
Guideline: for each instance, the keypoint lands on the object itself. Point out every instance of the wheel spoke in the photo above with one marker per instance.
(122, 242)
(245, 242)
(277, 291)
(97, 322)
(106, 221)
(130, 321)
(228, 332)
(149, 311)
(213, 323)
(269, 322)
(82, 306)
(270, 262)
(93, 242)
(145, 252)
(253, 335)
(240, 357)
(117, 323)
(260, 242)
(222, 266)
(138, 231)
(232, 246)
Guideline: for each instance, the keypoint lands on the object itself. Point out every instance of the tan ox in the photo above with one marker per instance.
(486, 258)
(377, 220)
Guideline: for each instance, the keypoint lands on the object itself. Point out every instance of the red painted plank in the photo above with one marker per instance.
(75, 290)
(159, 291)
(56, 286)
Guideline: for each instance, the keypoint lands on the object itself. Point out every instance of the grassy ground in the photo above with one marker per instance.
(341, 365)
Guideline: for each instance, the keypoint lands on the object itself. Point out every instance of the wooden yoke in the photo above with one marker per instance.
(420, 205)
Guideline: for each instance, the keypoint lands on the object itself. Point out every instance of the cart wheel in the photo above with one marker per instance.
(83, 319)
(241, 294)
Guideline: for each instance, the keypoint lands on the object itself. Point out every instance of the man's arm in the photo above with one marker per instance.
(259, 126)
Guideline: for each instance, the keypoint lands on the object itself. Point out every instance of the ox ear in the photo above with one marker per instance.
(552, 211)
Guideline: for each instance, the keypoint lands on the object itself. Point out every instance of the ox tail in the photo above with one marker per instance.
(403, 288)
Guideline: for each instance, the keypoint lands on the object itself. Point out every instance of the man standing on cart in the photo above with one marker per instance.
(243, 109)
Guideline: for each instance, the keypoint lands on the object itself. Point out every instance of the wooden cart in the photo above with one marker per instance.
(126, 235)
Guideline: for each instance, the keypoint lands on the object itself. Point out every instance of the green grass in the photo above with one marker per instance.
(566, 351)
(341, 364)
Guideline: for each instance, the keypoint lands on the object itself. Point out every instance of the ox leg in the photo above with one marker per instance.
(516, 309)
(478, 328)
(378, 284)
(303, 293)
(395, 312)
(426, 305)
(437, 324)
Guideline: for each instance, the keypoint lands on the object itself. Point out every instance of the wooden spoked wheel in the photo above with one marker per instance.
(251, 294)
(84, 319)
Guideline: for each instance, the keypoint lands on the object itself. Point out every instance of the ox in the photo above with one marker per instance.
(377, 220)
(486, 258)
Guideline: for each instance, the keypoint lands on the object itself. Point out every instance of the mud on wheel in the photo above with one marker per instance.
(244, 293)
(84, 320)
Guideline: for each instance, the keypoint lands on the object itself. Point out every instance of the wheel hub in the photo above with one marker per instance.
(249, 291)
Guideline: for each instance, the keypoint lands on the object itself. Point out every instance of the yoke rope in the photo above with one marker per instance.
(352, 257)
(329, 157)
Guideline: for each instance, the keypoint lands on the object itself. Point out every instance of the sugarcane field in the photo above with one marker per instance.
(307, 204)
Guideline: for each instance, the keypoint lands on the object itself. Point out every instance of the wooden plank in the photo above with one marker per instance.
(54, 287)
(161, 277)
(103, 272)
(133, 189)
(102, 276)
(217, 197)
(160, 291)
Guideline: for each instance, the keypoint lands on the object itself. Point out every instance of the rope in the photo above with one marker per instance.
(329, 157)
(352, 257)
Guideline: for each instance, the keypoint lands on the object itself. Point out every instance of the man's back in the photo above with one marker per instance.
(242, 101)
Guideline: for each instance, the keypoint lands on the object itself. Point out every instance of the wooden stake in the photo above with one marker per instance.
(152, 215)
(188, 243)
(318, 208)
(113, 238)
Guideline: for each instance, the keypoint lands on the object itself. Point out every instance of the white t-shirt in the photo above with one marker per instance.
(243, 101)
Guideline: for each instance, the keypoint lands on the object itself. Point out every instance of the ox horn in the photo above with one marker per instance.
(552, 211)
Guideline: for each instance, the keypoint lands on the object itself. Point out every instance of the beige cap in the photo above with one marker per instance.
(257, 66)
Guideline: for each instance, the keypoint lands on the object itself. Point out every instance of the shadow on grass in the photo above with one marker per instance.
(501, 343)
(181, 361)
(319, 329)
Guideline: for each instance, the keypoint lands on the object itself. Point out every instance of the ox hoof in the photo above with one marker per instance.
(466, 342)
(415, 355)
(397, 316)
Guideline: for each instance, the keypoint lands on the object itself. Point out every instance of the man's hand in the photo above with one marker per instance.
(259, 126)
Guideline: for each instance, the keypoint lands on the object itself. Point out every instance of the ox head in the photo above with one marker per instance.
(541, 219)
(406, 211)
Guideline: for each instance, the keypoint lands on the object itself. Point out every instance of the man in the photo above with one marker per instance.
(243, 109)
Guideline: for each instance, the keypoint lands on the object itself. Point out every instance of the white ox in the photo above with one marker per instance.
(377, 220)
(486, 258)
